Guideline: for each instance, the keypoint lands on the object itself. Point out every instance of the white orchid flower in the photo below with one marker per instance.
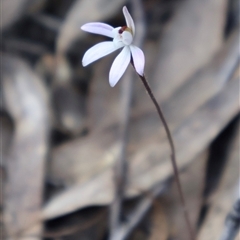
(122, 38)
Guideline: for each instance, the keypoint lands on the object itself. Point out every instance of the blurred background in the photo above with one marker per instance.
(73, 149)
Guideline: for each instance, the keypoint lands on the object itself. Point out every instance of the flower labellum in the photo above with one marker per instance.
(122, 38)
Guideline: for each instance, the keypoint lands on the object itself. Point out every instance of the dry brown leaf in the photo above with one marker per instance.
(190, 41)
(26, 100)
(90, 156)
(151, 164)
(224, 197)
(204, 84)
(83, 11)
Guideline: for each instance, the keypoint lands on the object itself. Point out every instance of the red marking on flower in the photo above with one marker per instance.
(122, 29)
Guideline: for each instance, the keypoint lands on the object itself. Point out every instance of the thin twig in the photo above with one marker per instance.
(140, 211)
(120, 168)
(173, 155)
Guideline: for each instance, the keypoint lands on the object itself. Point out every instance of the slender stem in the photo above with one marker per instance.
(173, 155)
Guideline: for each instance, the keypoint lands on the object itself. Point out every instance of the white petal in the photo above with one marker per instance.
(98, 28)
(98, 51)
(129, 19)
(119, 66)
(138, 59)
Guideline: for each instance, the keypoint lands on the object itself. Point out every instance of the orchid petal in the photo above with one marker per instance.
(119, 66)
(98, 51)
(129, 20)
(138, 59)
(98, 28)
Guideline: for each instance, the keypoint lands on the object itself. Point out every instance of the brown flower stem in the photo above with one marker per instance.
(173, 154)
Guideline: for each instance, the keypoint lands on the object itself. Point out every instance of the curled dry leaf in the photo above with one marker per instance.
(26, 101)
(83, 11)
(77, 159)
(143, 174)
(205, 83)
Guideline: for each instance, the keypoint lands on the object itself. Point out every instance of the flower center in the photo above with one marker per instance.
(126, 35)
(125, 28)
(122, 29)
(122, 36)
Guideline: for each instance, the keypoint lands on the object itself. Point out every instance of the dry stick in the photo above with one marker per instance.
(173, 155)
(120, 168)
(141, 210)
